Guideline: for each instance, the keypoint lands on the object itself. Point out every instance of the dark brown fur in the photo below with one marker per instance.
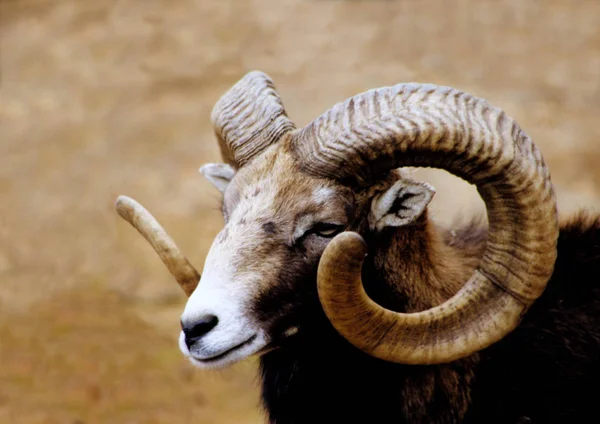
(543, 372)
(318, 377)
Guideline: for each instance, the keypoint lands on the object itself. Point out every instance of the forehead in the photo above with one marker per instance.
(274, 184)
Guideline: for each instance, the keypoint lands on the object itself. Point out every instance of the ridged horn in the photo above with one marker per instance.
(143, 221)
(361, 139)
(248, 118)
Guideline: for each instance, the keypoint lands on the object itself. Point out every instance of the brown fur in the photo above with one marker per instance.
(408, 269)
(419, 267)
(414, 267)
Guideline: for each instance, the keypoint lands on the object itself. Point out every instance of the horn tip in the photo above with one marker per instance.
(351, 240)
(255, 73)
(124, 205)
(121, 199)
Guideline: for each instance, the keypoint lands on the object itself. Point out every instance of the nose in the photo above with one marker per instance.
(196, 330)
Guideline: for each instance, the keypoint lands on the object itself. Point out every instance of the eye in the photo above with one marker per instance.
(326, 230)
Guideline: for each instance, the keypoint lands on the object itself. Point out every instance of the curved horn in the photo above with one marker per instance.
(178, 265)
(425, 125)
(249, 118)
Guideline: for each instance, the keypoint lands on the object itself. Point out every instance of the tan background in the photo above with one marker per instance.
(106, 97)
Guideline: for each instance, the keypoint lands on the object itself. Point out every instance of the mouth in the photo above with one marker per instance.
(253, 345)
(238, 352)
(229, 351)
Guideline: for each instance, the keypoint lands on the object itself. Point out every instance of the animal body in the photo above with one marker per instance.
(545, 371)
(364, 310)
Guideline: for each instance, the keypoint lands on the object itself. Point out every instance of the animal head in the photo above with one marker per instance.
(299, 204)
(260, 274)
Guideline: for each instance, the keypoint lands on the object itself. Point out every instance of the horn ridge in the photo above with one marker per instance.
(248, 118)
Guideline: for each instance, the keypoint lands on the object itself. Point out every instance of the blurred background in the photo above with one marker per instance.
(107, 97)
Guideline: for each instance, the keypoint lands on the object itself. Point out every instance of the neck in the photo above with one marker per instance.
(319, 377)
(419, 266)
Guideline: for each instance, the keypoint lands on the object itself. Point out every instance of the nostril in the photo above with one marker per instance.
(199, 328)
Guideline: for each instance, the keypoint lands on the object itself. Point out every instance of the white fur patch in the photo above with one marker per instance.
(322, 194)
(290, 332)
(222, 294)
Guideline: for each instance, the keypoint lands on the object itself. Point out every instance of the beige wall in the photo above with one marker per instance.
(100, 98)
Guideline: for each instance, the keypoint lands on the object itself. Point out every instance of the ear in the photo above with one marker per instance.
(219, 174)
(400, 205)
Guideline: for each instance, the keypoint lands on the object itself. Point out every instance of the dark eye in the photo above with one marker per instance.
(326, 230)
